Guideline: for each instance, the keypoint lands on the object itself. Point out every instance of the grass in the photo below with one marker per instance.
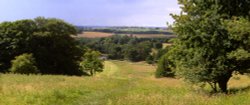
(121, 83)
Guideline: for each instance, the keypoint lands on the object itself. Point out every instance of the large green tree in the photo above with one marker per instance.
(212, 41)
(15, 39)
(49, 40)
(53, 47)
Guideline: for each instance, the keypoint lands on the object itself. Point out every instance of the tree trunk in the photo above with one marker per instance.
(223, 86)
(91, 72)
(223, 82)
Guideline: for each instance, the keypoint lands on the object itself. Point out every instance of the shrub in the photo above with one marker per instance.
(24, 64)
(164, 68)
(91, 62)
(150, 59)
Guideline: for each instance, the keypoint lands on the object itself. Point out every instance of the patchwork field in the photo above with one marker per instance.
(94, 35)
(121, 83)
(102, 34)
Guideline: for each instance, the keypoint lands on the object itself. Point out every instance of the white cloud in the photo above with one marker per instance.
(152, 13)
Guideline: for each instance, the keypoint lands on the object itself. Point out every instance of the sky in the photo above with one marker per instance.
(93, 12)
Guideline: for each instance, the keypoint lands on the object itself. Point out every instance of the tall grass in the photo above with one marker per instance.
(122, 83)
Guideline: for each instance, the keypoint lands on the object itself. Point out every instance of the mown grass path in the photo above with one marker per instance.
(121, 83)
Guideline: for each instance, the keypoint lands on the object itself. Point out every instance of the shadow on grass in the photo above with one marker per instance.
(240, 89)
(231, 91)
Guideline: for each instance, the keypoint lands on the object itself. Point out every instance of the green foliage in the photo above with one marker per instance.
(239, 34)
(138, 52)
(210, 41)
(126, 30)
(164, 68)
(131, 54)
(49, 40)
(14, 40)
(55, 50)
(24, 64)
(158, 45)
(160, 53)
(150, 59)
(91, 62)
(120, 47)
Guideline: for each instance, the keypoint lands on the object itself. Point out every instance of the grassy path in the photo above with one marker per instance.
(121, 83)
(109, 70)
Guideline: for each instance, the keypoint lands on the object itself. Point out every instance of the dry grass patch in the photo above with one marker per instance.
(94, 35)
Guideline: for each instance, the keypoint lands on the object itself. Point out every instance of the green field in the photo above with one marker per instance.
(121, 83)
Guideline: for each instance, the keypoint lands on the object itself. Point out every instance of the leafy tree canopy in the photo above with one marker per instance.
(213, 41)
(91, 62)
(49, 40)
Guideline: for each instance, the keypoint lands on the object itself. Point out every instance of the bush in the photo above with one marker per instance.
(164, 68)
(24, 64)
(91, 62)
(150, 59)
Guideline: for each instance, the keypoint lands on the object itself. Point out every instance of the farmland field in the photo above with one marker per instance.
(103, 34)
(121, 83)
(94, 35)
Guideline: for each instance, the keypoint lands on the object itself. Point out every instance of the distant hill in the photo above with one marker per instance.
(107, 34)
(125, 30)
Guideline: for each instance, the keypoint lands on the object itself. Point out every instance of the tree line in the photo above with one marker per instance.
(126, 30)
(123, 47)
(43, 46)
(46, 46)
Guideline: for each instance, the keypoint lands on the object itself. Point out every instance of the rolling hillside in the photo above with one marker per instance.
(121, 83)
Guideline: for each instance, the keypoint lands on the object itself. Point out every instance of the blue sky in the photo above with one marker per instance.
(93, 12)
